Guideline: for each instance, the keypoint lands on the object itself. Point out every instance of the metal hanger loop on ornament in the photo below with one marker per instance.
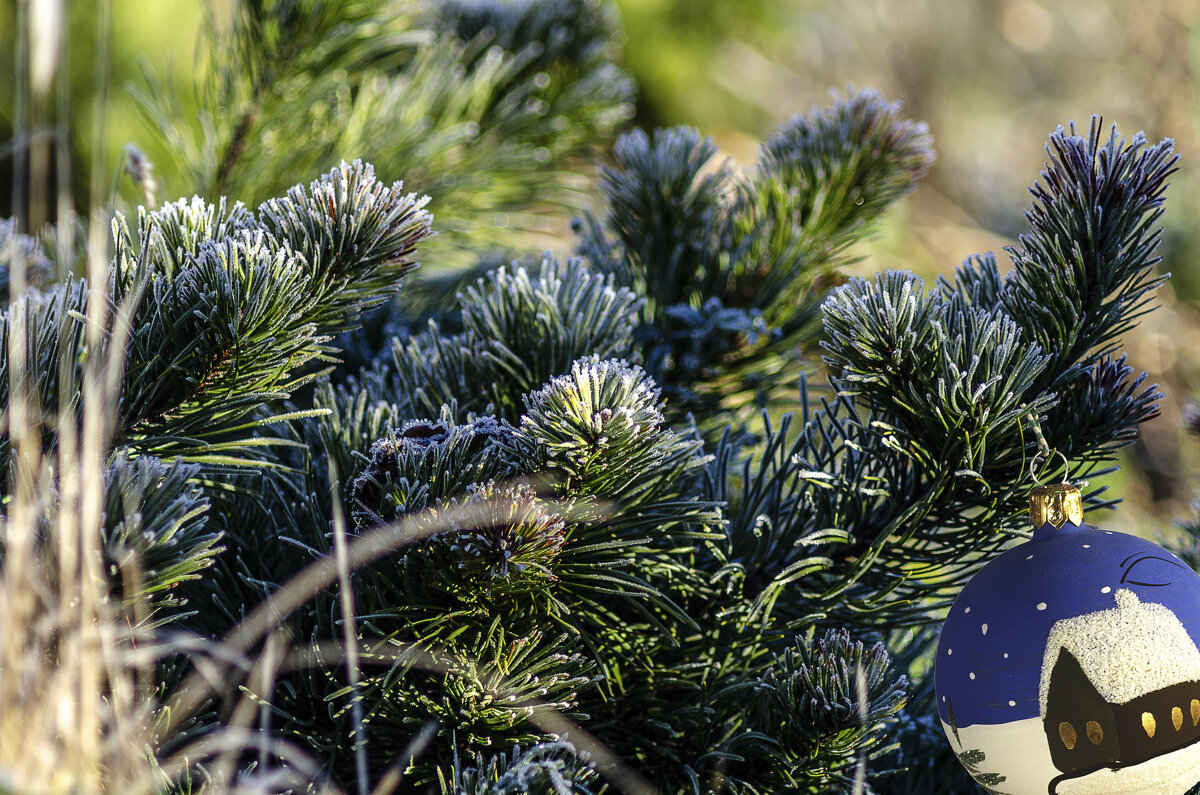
(1033, 467)
(1055, 504)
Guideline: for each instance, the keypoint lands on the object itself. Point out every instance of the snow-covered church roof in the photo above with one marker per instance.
(1132, 649)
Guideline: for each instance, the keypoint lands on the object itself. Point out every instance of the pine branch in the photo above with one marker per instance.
(357, 238)
(824, 704)
(51, 321)
(733, 266)
(211, 343)
(548, 768)
(519, 331)
(155, 535)
(426, 462)
(1084, 272)
(883, 508)
(823, 176)
(945, 376)
(561, 316)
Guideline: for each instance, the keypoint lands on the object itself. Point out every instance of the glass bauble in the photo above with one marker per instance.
(1070, 665)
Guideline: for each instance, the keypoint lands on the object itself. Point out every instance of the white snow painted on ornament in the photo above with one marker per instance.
(1163, 653)
(1011, 703)
(972, 674)
(967, 610)
(1006, 655)
(984, 628)
(1105, 589)
(1017, 750)
(1169, 774)
(1041, 605)
(1087, 546)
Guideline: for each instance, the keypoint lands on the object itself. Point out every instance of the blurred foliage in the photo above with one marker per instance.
(162, 33)
(990, 78)
(486, 111)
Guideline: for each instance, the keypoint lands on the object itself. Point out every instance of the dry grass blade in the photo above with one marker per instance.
(72, 717)
(74, 711)
(346, 601)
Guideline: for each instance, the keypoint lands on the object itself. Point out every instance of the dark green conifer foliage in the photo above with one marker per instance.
(732, 262)
(550, 768)
(579, 525)
(155, 534)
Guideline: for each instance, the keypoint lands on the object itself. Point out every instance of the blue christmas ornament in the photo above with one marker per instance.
(1070, 663)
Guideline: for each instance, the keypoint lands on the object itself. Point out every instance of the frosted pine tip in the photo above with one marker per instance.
(1056, 504)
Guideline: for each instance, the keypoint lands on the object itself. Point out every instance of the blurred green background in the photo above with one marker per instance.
(991, 78)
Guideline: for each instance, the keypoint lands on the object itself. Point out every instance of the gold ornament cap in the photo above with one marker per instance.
(1056, 504)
